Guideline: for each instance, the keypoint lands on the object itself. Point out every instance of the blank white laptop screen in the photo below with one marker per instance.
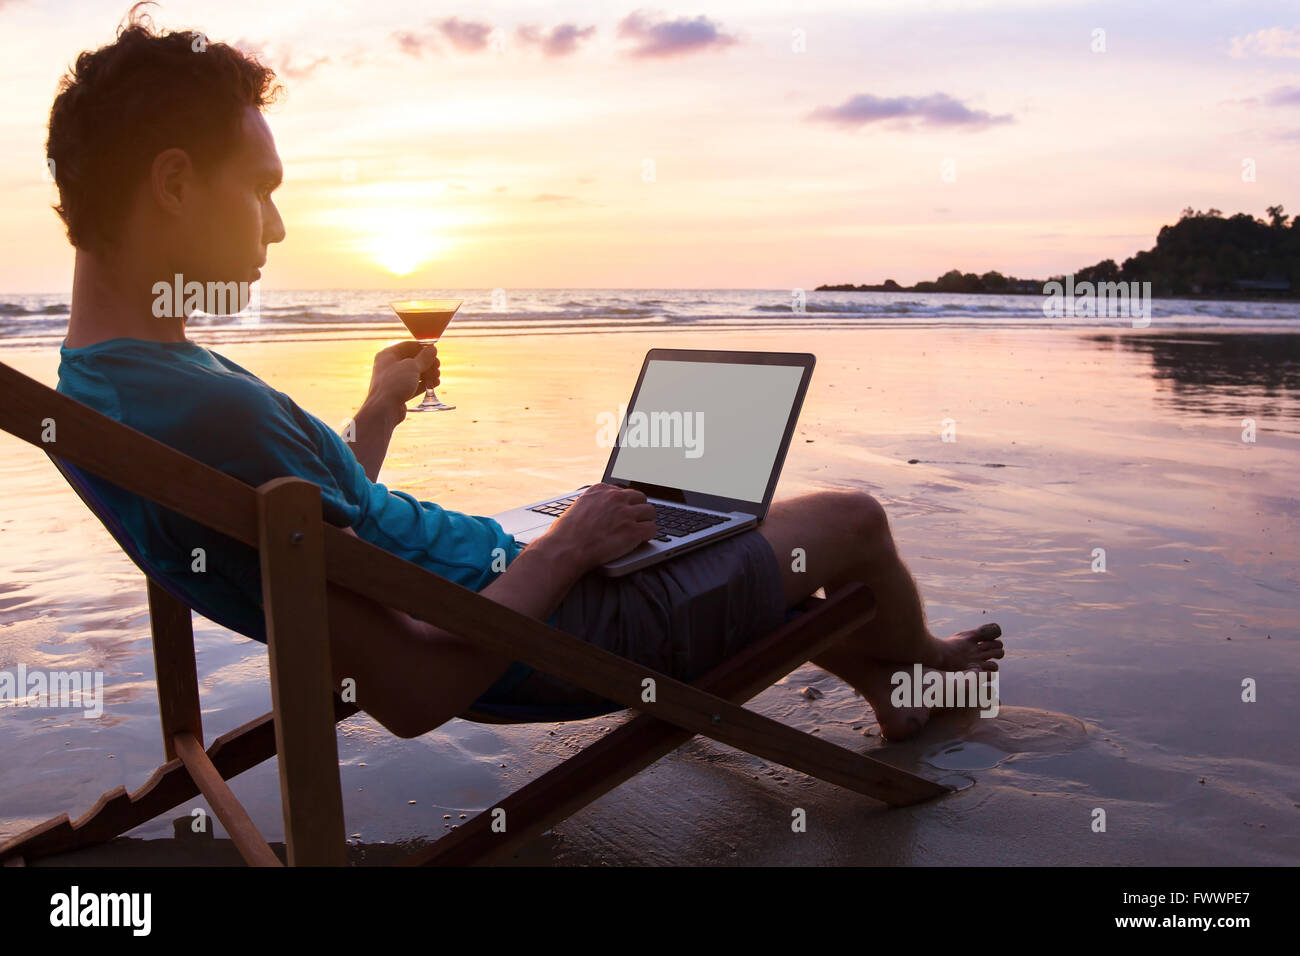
(709, 427)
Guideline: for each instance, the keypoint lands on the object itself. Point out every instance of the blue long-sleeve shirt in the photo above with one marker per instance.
(210, 408)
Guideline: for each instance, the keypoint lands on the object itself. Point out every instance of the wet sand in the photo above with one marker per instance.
(1121, 690)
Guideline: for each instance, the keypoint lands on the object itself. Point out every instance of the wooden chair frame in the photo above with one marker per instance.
(299, 552)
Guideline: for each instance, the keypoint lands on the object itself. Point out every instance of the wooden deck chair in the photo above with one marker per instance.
(298, 553)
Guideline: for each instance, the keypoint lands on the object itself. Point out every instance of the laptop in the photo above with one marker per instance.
(704, 437)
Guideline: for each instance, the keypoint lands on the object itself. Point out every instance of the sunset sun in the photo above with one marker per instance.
(402, 241)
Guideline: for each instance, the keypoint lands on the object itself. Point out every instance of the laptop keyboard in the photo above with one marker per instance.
(672, 522)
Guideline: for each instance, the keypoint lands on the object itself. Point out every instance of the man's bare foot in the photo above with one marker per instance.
(979, 647)
(896, 723)
(974, 650)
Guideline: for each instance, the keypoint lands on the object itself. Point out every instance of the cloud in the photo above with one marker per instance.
(1284, 96)
(277, 57)
(1275, 41)
(295, 71)
(561, 41)
(937, 109)
(409, 43)
(550, 197)
(657, 37)
(466, 35)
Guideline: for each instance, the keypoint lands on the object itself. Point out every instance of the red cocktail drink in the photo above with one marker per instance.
(427, 320)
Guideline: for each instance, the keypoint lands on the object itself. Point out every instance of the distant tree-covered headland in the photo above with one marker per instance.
(1203, 254)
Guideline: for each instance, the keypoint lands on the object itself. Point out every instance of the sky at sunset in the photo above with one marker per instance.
(749, 144)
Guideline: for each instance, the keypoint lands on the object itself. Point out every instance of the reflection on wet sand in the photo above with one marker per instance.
(1249, 374)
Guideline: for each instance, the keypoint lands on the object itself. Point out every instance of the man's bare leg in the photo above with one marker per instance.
(411, 680)
(406, 675)
(844, 537)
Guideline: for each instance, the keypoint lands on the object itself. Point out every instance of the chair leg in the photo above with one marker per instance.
(293, 593)
(250, 843)
(175, 669)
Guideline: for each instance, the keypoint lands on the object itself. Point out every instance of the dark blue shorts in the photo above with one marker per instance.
(682, 617)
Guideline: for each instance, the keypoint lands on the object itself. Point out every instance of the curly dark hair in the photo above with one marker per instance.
(124, 103)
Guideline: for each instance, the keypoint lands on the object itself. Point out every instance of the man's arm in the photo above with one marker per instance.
(606, 522)
(371, 431)
(536, 581)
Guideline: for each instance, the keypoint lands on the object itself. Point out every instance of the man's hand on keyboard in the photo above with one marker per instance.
(605, 523)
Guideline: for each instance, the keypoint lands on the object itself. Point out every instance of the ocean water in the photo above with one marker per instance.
(35, 320)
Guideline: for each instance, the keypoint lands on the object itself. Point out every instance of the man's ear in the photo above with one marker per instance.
(171, 178)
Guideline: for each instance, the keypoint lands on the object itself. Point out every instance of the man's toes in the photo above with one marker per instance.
(985, 632)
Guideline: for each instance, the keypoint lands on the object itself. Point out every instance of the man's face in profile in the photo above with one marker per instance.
(225, 233)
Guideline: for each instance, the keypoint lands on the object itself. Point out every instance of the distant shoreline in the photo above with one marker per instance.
(1237, 259)
(1198, 297)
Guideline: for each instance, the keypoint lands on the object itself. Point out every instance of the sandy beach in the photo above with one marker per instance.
(1121, 690)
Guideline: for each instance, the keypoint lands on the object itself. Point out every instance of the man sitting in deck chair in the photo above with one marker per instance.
(165, 166)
